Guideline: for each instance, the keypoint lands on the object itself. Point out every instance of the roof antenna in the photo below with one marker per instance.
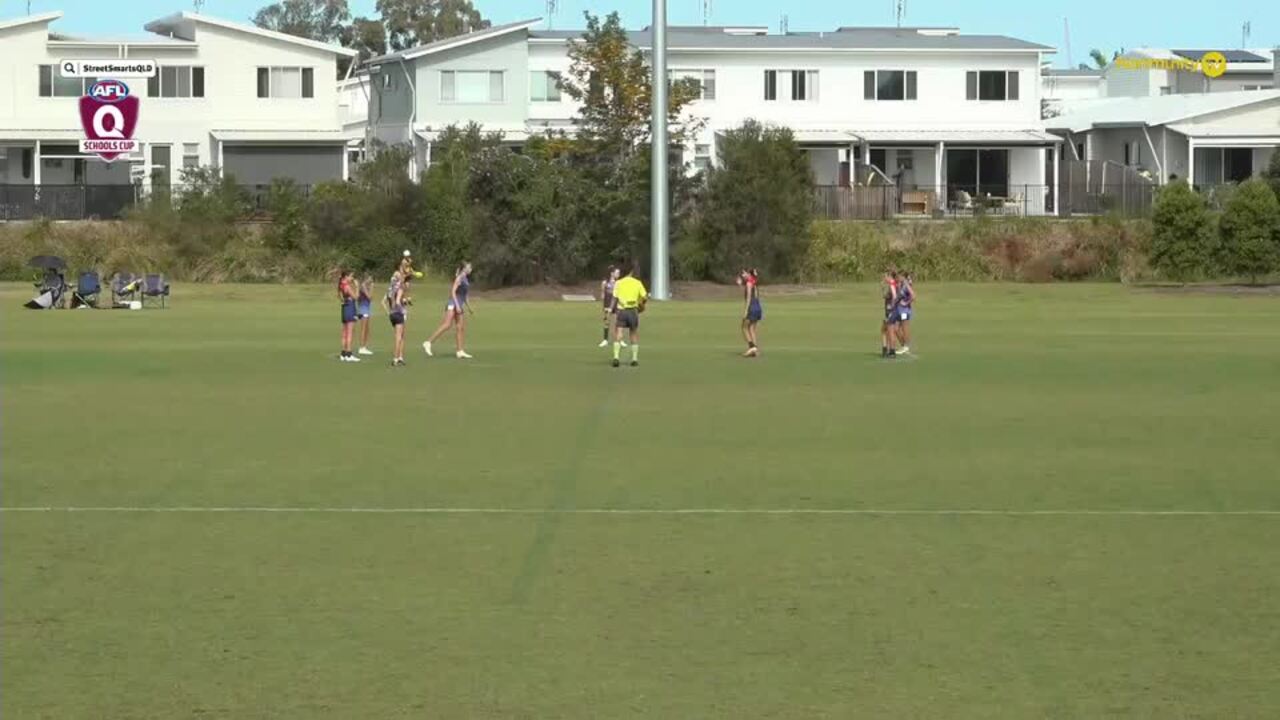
(899, 10)
(1245, 31)
(707, 9)
(1066, 42)
(553, 6)
(198, 5)
(784, 25)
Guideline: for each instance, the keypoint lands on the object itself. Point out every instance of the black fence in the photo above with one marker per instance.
(877, 202)
(108, 202)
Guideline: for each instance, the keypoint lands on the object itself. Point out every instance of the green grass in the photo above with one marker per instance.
(1023, 398)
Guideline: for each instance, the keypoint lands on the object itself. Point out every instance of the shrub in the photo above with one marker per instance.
(1272, 173)
(1183, 240)
(1250, 230)
(288, 231)
(757, 206)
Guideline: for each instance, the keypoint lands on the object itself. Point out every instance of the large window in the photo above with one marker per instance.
(706, 80)
(177, 81)
(285, 82)
(472, 86)
(889, 85)
(543, 86)
(770, 84)
(53, 84)
(991, 85)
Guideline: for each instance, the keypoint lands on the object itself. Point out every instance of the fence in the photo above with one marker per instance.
(107, 202)
(878, 202)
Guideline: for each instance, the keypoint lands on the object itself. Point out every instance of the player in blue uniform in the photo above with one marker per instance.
(364, 311)
(454, 310)
(906, 303)
(606, 293)
(888, 327)
(753, 311)
(347, 296)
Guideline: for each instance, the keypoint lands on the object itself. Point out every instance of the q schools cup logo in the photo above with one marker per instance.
(109, 115)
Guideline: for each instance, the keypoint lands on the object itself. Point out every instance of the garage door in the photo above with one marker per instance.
(260, 164)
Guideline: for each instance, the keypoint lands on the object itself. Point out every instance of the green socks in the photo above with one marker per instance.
(635, 352)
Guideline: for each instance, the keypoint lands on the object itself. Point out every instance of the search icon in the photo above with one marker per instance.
(69, 69)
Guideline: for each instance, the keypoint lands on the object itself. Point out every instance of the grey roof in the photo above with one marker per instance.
(1072, 72)
(868, 38)
(1232, 56)
(451, 42)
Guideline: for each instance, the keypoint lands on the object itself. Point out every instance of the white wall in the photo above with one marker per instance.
(1069, 87)
(825, 163)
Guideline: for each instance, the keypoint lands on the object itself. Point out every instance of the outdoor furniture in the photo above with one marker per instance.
(1013, 206)
(88, 287)
(155, 288)
(963, 202)
(124, 288)
(917, 202)
(50, 291)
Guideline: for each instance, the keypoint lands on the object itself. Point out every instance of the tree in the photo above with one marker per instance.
(1182, 246)
(368, 36)
(610, 80)
(410, 23)
(1272, 173)
(1250, 228)
(1100, 59)
(758, 204)
(322, 20)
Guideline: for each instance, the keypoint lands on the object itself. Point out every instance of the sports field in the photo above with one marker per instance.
(1066, 506)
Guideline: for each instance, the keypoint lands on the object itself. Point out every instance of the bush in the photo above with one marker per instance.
(757, 206)
(1250, 231)
(1272, 173)
(1183, 240)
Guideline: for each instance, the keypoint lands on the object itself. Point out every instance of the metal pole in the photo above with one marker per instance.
(660, 210)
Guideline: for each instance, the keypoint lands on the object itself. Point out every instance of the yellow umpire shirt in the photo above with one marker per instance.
(629, 292)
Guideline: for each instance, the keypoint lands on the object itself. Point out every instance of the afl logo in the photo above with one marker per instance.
(109, 91)
(109, 115)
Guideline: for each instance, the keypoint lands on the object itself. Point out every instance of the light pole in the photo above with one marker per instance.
(660, 202)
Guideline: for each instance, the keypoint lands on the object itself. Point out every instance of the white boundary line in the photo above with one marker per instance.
(641, 511)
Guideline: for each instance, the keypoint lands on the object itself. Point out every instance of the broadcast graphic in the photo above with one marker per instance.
(108, 112)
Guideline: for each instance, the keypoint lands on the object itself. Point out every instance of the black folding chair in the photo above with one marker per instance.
(154, 287)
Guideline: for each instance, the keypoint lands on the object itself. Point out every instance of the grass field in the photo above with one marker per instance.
(1067, 506)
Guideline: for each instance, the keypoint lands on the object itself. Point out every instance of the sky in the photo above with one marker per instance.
(1104, 24)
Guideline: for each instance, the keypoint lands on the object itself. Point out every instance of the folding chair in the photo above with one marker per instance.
(88, 288)
(49, 291)
(124, 287)
(154, 286)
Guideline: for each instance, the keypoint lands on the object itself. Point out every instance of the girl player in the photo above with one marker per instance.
(752, 312)
(906, 300)
(453, 312)
(364, 311)
(396, 300)
(606, 292)
(347, 296)
(888, 327)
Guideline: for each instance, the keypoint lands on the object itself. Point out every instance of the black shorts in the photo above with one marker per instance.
(608, 304)
(628, 318)
(397, 318)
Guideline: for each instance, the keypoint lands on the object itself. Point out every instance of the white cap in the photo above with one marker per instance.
(407, 253)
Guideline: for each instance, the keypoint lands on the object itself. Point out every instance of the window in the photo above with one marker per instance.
(190, 155)
(28, 156)
(472, 86)
(52, 84)
(706, 80)
(804, 85)
(1132, 154)
(770, 84)
(177, 81)
(544, 86)
(1166, 90)
(991, 85)
(1255, 87)
(889, 85)
(702, 157)
(286, 82)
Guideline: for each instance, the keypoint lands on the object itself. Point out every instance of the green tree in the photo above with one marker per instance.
(1100, 60)
(1272, 173)
(1250, 228)
(410, 23)
(610, 80)
(1182, 246)
(757, 208)
(445, 219)
(323, 20)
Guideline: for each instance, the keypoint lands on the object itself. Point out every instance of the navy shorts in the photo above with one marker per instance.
(891, 316)
(348, 312)
(755, 313)
(608, 303)
(364, 309)
(904, 314)
(397, 318)
(629, 319)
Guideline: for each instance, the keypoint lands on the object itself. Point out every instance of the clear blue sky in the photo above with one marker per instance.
(1105, 24)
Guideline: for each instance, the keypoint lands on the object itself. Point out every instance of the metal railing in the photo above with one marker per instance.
(109, 202)
(1123, 197)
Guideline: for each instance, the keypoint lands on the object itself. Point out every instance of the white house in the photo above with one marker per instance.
(1144, 72)
(936, 110)
(1211, 138)
(1059, 88)
(258, 104)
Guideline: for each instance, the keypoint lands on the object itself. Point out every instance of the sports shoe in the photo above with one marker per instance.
(352, 358)
(603, 343)
(426, 347)
(343, 358)
(364, 351)
(462, 355)
(624, 344)
(635, 363)
(616, 363)
(904, 350)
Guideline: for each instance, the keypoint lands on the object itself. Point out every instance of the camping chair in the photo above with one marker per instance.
(88, 287)
(124, 288)
(49, 291)
(154, 286)
(963, 202)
